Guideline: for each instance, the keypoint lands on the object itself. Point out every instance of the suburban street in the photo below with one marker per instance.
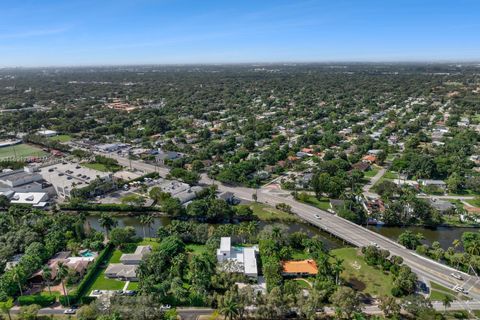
(339, 227)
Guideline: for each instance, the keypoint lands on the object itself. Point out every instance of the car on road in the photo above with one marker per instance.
(374, 244)
(317, 216)
(165, 307)
(72, 310)
(456, 275)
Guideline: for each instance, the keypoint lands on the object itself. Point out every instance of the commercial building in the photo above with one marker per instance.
(179, 190)
(47, 133)
(67, 176)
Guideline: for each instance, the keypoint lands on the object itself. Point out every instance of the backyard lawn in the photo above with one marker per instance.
(21, 151)
(361, 276)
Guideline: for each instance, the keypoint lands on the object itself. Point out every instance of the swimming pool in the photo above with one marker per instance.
(86, 253)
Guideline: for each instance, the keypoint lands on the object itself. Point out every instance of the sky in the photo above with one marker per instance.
(113, 32)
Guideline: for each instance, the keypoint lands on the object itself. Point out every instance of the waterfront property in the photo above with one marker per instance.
(302, 268)
(238, 259)
(127, 268)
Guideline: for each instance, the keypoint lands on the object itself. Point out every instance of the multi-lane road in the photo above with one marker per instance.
(426, 269)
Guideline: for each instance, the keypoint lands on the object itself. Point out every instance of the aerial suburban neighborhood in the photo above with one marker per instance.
(230, 160)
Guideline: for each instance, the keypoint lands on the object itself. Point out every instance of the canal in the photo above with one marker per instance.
(128, 221)
(444, 235)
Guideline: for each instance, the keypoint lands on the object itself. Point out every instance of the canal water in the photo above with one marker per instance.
(444, 235)
(127, 221)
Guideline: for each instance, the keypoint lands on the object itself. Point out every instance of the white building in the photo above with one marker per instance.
(238, 259)
(47, 133)
(36, 199)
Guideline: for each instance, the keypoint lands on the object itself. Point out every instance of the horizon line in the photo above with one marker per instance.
(373, 61)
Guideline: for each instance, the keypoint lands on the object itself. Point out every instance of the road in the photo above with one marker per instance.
(341, 228)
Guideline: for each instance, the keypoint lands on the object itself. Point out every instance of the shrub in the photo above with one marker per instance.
(72, 298)
(41, 300)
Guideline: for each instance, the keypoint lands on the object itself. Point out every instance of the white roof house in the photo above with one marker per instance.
(250, 262)
(238, 259)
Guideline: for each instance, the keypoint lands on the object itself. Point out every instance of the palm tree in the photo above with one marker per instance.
(447, 301)
(338, 268)
(17, 277)
(47, 277)
(456, 243)
(146, 221)
(229, 308)
(107, 223)
(62, 273)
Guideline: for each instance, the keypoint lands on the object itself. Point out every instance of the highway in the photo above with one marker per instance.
(426, 269)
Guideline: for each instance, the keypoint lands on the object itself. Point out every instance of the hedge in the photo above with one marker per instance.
(71, 298)
(41, 300)
(78, 294)
(89, 277)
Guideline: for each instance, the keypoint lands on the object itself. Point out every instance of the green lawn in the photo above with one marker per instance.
(61, 138)
(474, 202)
(303, 283)
(20, 151)
(196, 249)
(390, 175)
(361, 276)
(267, 213)
(438, 292)
(149, 242)
(96, 166)
(372, 172)
(323, 204)
(116, 256)
(132, 286)
(104, 283)
(300, 255)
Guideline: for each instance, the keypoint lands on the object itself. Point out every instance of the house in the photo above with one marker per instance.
(13, 262)
(126, 270)
(441, 206)
(78, 265)
(136, 257)
(300, 268)
(361, 166)
(238, 259)
(436, 183)
(163, 156)
(370, 159)
(122, 272)
(228, 196)
(472, 210)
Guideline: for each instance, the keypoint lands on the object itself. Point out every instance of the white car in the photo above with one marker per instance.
(317, 216)
(165, 307)
(70, 311)
(457, 276)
